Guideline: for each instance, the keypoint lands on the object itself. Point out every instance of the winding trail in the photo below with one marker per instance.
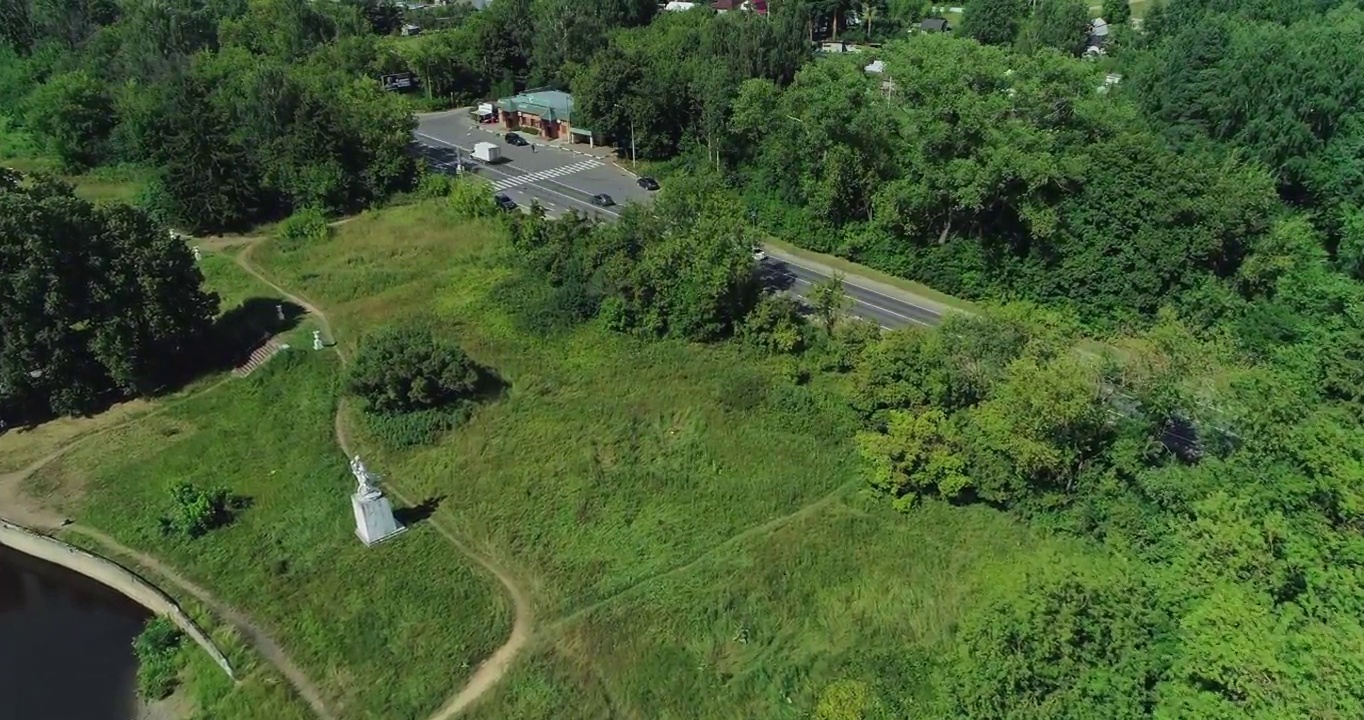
(491, 670)
(24, 511)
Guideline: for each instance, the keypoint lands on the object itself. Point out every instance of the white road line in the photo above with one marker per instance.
(541, 188)
(862, 288)
(859, 301)
(514, 180)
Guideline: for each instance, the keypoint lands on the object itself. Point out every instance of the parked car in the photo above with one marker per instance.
(517, 140)
(759, 254)
(504, 202)
(648, 183)
(602, 200)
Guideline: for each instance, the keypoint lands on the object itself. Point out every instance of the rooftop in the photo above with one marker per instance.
(554, 105)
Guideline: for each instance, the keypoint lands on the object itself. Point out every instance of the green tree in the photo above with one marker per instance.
(73, 116)
(1059, 24)
(775, 325)
(1074, 642)
(830, 301)
(993, 22)
(915, 455)
(406, 368)
(1117, 11)
(92, 300)
(1046, 419)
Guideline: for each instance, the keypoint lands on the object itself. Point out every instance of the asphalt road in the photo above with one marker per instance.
(557, 179)
(561, 181)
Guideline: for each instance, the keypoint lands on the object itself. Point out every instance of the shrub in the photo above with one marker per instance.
(406, 368)
(471, 199)
(543, 309)
(196, 511)
(431, 184)
(304, 226)
(157, 649)
(774, 325)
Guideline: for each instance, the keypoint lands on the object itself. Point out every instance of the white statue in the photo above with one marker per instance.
(366, 480)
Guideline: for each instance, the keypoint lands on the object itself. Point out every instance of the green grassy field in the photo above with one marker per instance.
(386, 633)
(688, 520)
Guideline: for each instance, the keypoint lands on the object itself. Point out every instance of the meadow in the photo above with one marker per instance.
(689, 518)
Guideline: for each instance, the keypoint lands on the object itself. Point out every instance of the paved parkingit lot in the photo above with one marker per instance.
(557, 178)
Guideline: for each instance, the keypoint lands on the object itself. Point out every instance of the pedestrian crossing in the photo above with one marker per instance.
(511, 182)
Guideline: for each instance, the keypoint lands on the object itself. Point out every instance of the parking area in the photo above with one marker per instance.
(557, 177)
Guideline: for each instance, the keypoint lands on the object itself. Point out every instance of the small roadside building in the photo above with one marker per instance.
(548, 113)
(935, 25)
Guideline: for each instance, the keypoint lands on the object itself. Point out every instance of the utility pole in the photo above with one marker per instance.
(632, 142)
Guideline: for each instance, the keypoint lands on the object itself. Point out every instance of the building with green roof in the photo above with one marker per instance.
(548, 112)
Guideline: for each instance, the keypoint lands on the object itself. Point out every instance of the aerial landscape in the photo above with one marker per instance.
(588, 359)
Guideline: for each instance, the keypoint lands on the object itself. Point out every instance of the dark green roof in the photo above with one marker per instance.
(554, 105)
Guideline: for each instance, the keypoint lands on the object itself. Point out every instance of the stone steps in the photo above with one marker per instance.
(258, 358)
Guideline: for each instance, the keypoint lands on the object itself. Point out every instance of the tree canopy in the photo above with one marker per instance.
(94, 300)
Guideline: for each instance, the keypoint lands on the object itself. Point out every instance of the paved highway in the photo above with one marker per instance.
(560, 180)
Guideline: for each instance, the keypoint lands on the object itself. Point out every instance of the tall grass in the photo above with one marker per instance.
(641, 488)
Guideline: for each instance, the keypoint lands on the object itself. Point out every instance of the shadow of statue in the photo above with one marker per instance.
(410, 516)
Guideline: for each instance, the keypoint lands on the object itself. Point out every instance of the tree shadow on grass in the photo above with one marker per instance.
(423, 510)
(242, 330)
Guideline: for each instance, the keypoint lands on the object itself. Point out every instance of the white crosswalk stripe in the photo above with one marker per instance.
(505, 183)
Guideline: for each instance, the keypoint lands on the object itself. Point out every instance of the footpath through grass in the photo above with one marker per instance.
(385, 632)
(640, 488)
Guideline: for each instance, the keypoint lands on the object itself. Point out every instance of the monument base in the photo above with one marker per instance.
(374, 521)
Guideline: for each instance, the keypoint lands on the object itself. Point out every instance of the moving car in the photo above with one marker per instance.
(504, 202)
(602, 200)
(517, 140)
(648, 183)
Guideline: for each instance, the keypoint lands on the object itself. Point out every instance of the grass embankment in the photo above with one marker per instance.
(20, 448)
(385, 632)
(643, 490)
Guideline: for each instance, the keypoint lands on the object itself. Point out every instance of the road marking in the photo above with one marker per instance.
(541, 188)
(515, 180)
(857, 301)
(865, 289)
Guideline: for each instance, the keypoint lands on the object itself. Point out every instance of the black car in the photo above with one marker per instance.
(517, 140)
(504, 202)
(602, 200)
(648, 183)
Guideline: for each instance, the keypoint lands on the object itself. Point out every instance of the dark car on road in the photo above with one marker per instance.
(517, 140)
(504, 202)
(648, 183)
(602, 200)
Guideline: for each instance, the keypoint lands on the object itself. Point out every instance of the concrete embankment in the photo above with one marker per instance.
(114, 576)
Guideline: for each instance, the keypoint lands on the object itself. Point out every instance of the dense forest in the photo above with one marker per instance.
(1187, 208)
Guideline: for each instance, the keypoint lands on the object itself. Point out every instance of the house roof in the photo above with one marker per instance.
(934, 24)
(554, 105)
(726, 4)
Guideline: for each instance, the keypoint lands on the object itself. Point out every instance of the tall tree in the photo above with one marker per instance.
(92, 300)
(994, 22)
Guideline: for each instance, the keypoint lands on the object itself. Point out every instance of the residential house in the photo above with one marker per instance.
(1097, 42)
(935, 25)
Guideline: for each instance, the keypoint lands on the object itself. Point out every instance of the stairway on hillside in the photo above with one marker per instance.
(258, 357)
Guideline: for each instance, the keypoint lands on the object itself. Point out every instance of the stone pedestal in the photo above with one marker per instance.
(374, 521)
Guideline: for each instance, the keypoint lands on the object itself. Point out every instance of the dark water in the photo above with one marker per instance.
(65, 645)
